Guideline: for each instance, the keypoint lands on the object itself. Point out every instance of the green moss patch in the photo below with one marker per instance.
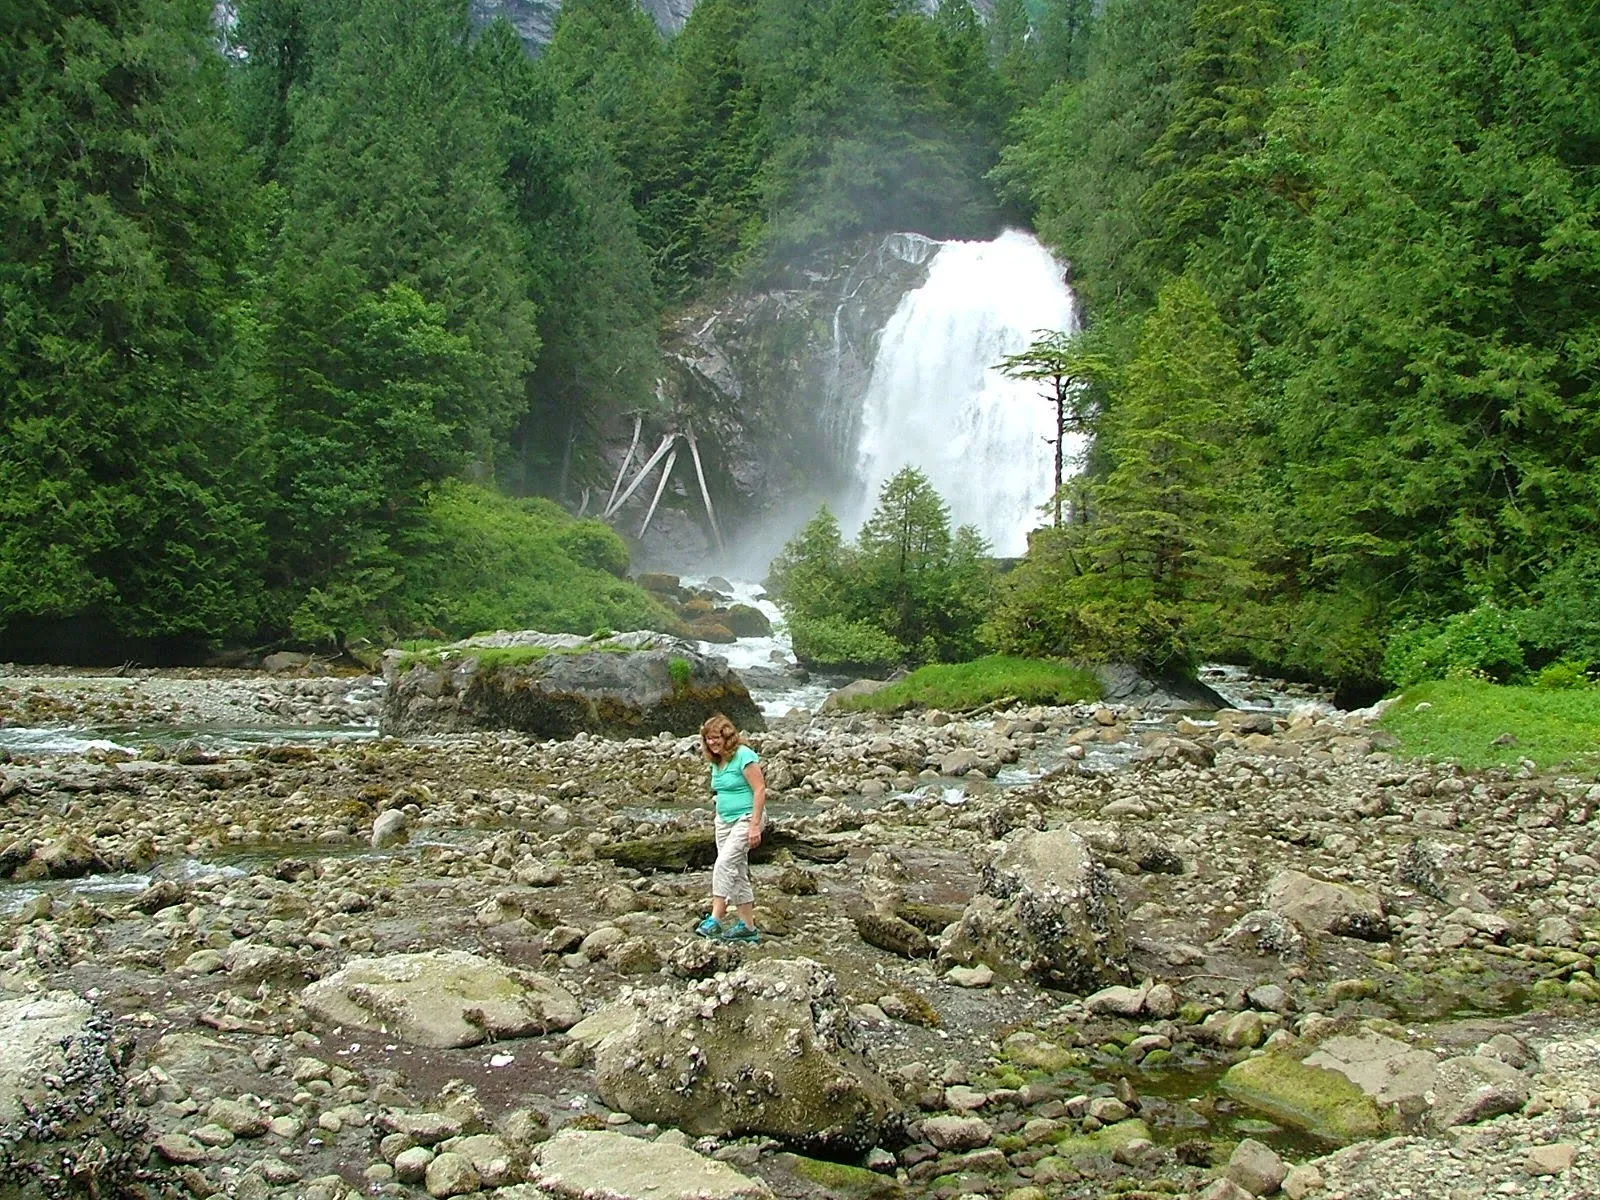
(1102, 1142)
(837, 1179)
(1322, 1102)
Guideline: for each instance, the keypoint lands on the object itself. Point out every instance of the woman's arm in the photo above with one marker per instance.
(758, 785)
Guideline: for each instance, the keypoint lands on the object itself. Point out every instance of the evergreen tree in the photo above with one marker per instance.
(589, 269)
(400, 331)
(1168, 513)
(126, 437)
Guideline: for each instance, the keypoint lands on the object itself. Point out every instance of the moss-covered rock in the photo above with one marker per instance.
(1320, 1101)
(836, 1181)
(1102, 1142)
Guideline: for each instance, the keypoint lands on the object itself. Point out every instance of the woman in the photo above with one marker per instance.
(741, 794)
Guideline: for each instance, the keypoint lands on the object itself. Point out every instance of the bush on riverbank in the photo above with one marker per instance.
(963, 686)
(1464, 720)
(483, 561)
(908, 590)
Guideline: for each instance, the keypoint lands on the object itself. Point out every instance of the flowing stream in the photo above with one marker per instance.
(937, 401)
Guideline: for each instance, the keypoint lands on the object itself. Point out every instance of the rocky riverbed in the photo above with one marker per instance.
(1050, 952)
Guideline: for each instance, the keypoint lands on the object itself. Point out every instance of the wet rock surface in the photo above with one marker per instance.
(1450, 1028)
(616, 685)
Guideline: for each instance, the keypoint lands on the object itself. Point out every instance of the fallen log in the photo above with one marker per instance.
(697, 851)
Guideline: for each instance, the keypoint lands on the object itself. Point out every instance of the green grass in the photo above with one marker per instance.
(967, 685)
(1551, 726)
(493, 658)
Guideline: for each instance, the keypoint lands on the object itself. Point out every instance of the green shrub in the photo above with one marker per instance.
(968, 685)
(1564, 674)
(1564, 623)
(834, 642)
(483, 561)
(679, 669)
(1480, 643)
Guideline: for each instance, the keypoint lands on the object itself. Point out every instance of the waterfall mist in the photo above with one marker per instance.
(937, 402)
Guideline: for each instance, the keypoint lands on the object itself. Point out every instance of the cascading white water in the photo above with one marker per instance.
(936, 400)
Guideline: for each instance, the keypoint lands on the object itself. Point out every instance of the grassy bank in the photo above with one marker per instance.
(961, 686)
(1460, 720)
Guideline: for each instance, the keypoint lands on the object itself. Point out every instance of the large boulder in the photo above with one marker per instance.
(441, 998)
(1322, 907)
(67, 1128)
(557, 685)
(578, 1164)
(769, 1049)
(1046, 909)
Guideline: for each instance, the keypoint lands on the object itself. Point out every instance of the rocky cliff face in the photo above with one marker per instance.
(771, 379)
(535, 20)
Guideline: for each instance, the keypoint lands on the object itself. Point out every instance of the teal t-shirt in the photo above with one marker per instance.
(735, 797)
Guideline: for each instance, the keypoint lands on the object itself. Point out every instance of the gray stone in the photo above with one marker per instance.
(1047, 909)
(450, 1175)
(389, 829)
(1469, 1088)
(1323, 907)
(769, 1049)
(1554, 1159)
(241, 1120)
(61, 1097)
(630, 688)
(1256, 1168)
(1118, 1001)
(577, 1165)
(957, 1133)
(441, 998)
(411, 1166)
(1390, 1071)
(1302, 1181)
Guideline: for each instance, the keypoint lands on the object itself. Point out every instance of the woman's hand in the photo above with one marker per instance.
(758, 785)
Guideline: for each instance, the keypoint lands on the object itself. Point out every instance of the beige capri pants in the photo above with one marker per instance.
(730, 877)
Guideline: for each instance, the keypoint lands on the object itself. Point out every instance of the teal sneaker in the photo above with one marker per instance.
(739, 932)
(710, 928)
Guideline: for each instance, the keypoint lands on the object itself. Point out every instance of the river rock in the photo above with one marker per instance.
(633, 686)
(389, 829)
(1320, 1101)
(66, 857)
(578, 1164)
(65, 1124)
(1256, 1168)
(1470, 1088)
(1322, 907)
(441, 998)
(861, 687)
(1046, 909)
(1394, 1074)
(769, 1049)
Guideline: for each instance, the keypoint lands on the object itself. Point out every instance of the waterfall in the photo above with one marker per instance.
(935, 400)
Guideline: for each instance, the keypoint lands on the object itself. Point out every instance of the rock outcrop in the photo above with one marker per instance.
(558, 685)
(1047, 910)
(441, 998)
(769, 1049)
